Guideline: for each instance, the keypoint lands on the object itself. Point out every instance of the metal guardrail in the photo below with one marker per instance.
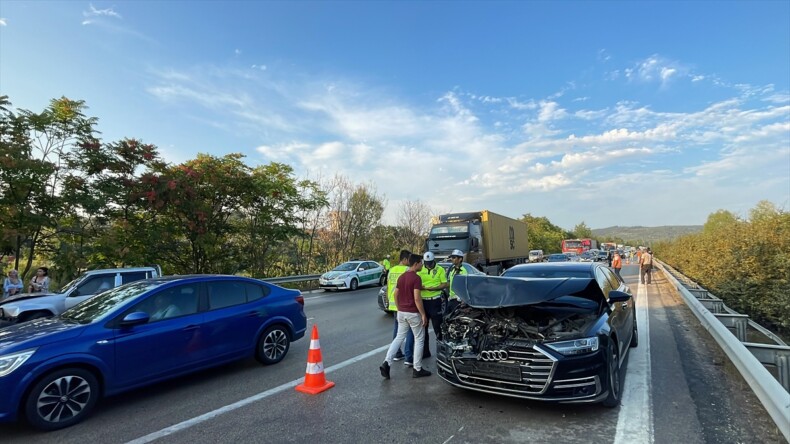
(748, 357)
(286, 279)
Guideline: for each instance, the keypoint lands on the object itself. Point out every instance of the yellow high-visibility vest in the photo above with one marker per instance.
(432, 278)
(453, 272)
(392, 281)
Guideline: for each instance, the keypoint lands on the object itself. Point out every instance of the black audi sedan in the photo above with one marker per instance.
(548, 331)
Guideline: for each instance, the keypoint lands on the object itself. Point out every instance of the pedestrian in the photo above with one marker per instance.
(392, 280)
(386, 264)
(411, 317)
(646, 266)
(617, 264)
(457, 258)
(40, 282)
(434, 280)
(12, 285)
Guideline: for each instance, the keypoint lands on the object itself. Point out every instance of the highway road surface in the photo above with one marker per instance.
(679, 388)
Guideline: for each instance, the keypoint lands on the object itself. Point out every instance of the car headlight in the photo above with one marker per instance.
(575, 347)
(9, 363)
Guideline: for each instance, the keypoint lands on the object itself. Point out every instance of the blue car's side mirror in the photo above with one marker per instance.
(136, 318)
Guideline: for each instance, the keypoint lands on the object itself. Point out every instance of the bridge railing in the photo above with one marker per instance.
(735, 333)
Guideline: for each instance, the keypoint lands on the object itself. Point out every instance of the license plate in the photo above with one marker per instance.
(493, 370)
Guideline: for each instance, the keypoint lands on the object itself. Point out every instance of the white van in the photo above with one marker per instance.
(536, 256)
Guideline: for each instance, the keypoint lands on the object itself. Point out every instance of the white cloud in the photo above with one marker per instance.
(3, 22)
(237, 51)
(93, 12)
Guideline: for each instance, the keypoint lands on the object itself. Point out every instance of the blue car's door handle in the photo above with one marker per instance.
(252, 314)
(191, 327)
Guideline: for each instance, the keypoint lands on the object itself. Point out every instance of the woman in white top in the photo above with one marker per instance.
(40, 282)
(12, 285)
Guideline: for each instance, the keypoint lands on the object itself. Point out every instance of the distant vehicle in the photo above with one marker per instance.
(559, 257)
(383, 300)
(28, 306)
(491, 242)
(536, 255)
(578, 246)
(52, 371)
(587, 256)
(603, 256)
(553, 332)
(352, 275)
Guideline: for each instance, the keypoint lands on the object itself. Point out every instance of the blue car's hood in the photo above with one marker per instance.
(38, 332)
(495, 292)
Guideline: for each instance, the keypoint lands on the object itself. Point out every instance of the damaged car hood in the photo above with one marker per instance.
(496, 292)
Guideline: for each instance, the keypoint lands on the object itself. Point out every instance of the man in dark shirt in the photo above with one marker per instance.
(411, 316)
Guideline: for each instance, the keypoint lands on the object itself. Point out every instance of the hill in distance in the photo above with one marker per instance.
(646, 235)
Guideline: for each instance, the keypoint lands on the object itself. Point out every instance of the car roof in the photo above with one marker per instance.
(116, 270)
(191, 277)
(547, 266)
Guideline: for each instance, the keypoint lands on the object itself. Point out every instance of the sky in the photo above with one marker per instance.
(602, 112)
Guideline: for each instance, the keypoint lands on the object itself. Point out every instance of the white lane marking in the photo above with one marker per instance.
(254, 398)
(448, 439)
(635, 420)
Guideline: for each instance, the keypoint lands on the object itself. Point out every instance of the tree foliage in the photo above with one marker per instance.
(544, 235)
(746, 262)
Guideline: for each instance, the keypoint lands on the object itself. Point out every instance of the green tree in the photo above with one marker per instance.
(543, 235)
(582, 231)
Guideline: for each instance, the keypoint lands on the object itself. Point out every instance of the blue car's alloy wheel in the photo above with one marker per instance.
(61, 399)
(273, 345)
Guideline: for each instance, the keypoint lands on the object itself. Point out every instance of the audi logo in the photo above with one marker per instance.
(493, 355)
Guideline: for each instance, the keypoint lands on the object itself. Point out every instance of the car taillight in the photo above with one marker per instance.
(300, 299)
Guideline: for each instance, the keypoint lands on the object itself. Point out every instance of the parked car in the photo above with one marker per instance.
(603, 256)
(536, 256)
(586, 257)
(559, 257)
(28, 306)
(383, 301)
(53, 371)
(553, 331)
(353, 274)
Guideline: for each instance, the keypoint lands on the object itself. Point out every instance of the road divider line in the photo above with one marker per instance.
(247, 401)
(635, 420)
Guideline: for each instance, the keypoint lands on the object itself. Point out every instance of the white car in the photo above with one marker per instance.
(353, 274)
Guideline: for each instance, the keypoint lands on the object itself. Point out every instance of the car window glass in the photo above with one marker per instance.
(225, 294)
(94, 285)
(615, 283)
(255, 292)
(603, 281)
(132, 276)
(169, 303)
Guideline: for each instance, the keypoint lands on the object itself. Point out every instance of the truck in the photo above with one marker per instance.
(491, 242)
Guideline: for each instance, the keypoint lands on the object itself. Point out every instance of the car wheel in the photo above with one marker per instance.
(354, 284)
(635, 335)
(382, 280)
(61, 399)
(613, 376)
(273, 345)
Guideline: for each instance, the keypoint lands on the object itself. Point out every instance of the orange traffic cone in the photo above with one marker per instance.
(314, 380)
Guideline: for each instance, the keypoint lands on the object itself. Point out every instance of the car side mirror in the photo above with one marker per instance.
(136, 318)
(618, 296)
(362, 268)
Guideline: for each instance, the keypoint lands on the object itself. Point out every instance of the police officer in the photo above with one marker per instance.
(386, 264)
(434, 280)
(457, 258)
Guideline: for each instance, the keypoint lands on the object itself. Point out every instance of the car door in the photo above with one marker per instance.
(628, 309)
(92, 285)
(231, 322)
(618, 315)
(162, 347)
(370, 275)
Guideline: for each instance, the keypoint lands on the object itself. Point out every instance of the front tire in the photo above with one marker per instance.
(273, 345)
(354, 284)
(635, 335)
(613, 376)
(61, 399)
(382, 280)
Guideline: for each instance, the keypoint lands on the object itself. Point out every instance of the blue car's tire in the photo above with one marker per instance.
(61, 399)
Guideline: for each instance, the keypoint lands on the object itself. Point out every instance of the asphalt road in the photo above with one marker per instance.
(679, 388)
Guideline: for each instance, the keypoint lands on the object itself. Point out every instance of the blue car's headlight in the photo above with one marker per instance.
(9, 363)
(574, 347)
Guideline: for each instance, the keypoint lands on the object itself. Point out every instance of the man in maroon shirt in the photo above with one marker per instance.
(411, 316)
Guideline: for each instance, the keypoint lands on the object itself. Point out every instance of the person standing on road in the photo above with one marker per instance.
(411, 317)
(434, 280)
(392, 280)
(645, 266)
(386, 264)
(457, 258)
(617, 264)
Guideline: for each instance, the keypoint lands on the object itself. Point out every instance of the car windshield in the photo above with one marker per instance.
(542, 273)
(558, 257)
(97, 307)
(66, 288)
(348, 266)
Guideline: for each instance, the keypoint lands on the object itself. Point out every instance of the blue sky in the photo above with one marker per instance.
(611, 113)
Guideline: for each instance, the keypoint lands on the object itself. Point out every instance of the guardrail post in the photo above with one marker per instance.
(699, 293)
(741, 325)
(783, 368)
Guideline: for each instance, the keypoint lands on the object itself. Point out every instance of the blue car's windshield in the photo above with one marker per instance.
(99, 306)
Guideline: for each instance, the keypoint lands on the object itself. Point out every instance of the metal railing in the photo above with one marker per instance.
(731, 330)
(288, 279)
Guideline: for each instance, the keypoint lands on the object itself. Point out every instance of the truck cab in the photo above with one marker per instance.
(28, 306)
(462, 231)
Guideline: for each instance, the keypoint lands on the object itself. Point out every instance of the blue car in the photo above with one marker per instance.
(53, 371)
